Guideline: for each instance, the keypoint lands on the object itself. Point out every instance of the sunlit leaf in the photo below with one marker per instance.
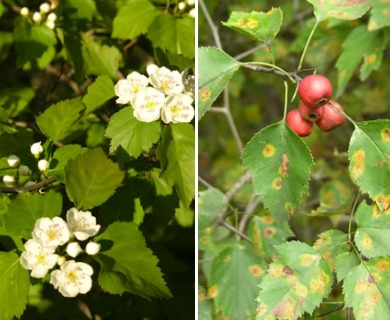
(99, 92)
(379, 15)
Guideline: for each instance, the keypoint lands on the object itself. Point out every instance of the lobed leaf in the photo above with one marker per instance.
(379, 15)
(215, 70)
(279, 162)
(98, 93)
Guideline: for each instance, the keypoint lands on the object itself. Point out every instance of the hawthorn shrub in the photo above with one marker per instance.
(294, 223)
(97, 159)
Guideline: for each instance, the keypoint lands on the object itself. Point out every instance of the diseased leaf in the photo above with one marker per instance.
(279, 162)
(98, 93)
(204, 306)
(215, 70)
(344, 263)
(260, 26)
(369, 166)
(379, 15)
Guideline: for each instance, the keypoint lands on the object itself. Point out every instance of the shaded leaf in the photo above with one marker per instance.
(379, 15)
(79, 10)
(279, 162)
(15, 100)
(204, 306)
(215, 70)
(98, 93)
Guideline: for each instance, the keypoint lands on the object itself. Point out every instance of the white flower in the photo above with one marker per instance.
(125, 89)
(37, 17)
(50, 24)
(24, 170)
(51, 232)
(73, 249)
(36, 149)
(151, 68)
(169, 82)
(52, 17)
(44, 7)
(8, 180)
(37, 258)
(24, 11)
(181, 6)
(82, 224)
(43, 165)
(92, 248)
(192, 13)
(73, 278)
(13, 161)
(178, 109)
(61, 260)
(191, 2)
(147, 104)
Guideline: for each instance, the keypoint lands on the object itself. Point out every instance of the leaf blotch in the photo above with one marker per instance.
(385, 134)
(213, 291)
(204, 94)
(358, 163)
(255, 270)
(268, 151)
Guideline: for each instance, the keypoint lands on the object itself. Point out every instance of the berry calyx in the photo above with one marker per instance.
(297, 124)
(310, 114)
(315, 90)
(331, 118)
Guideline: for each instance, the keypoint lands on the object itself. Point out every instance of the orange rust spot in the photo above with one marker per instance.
(226, 258)
(277, 183)
(385, 134)
(268, 151)
(269, 232)
(307, 259)
(207, 230)
(383, 201)
(367, 242)
(248, 23)
(285, 308)
(255, 270)
(370, 59)
(204, 94)
(382, 265)
(213, 291)
(285, 164)
(358, 165)
(267, 219)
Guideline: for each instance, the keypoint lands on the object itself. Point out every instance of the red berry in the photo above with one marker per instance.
(331, 117)
(297, 124)
(310, 114)
(315, 90)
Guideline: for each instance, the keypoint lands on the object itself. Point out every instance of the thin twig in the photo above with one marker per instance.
(32, 188)
(332, 311)
(293, 75)
(252, 205)
(204, 182)
(231, 228)
(249, 52)
(238, 185)
(231, 122)
(213, 27)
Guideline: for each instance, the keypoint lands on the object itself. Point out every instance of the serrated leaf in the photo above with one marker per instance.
(367, 290)
(14, 286)
(260, 26)
(173, 34)
(235, 275)
(266, 234)
(133, 135)
(296, 282)
(345, 10)
(369, 166)
(177, 156)
(344, 263)
(98, 93)
(360, 46)
(56, 121)
(379, 15)
(26, 208)
(204, 306)
(91, 178)
(133, 19)
(279, 162)
(373, 233)
(129, 262)
(215, 70)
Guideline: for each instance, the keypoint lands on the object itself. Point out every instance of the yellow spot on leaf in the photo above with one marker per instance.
(343, 73)
(269, 232)
(276, 270)
(323, 240)
(261, 309)
(200, 201)
(267, 219)
(246, 23)
(370, 59)
(213, 291)
(255, 270)
(226, 258)
(285, 308)
(385, 134)
(207, 230)
(366, 311)
(367, 242)
(307, 259)
(383, 201)
(204, 240)
(300, 289)
(358, 163)
(284, 166)
(268, 151)
(277, 183)
(318, 284)
(289, 208)
(382, 265)
(204, 94)
(386, 12)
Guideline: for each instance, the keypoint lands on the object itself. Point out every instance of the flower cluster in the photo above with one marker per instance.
(161, 95)
(187, 6)
(43, 15)
(43, 252)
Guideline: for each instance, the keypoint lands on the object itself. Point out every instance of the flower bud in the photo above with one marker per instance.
(24, 11)
(36, 149)
(44, 7)
(52, 17)
(24, 170)
(191, 2)
(61, 260)
(8, 180)
(43, 165)
(73, 249)
(192, 13)
(29, 184)
(50, 24)
(13, 161)
(181, 6)
(37, 17)
(92, 248)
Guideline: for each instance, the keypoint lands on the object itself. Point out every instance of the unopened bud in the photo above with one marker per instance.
(37, 17)
(43, 165)
(8, 180)
(52, 17)
(24, 11)
(44, 7)
(24, 170)
(50, 24)
(73, 249)
(13, 161)
(92, 248)
(36, 149)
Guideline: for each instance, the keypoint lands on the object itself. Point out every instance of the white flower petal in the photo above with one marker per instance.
(82, 224)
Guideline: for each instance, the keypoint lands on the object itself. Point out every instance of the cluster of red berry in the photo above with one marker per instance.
(315, 92)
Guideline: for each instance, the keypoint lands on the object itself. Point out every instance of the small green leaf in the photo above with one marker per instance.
(129, 265)
(14, 286)
(15, 100)
(215, 70)
(75, 9)
(235, 276)
(133, 135)
(91, 178)
(373, 233)
(379, 15)
(344, 10)
(211, 204)
(366, 290)
(295, 283)
(133, 19)
(184, 216)
(56, 121)
(26, 208)
(98, 93)
(260, 26)
(369, 166)
(279, 162)
(344, 263)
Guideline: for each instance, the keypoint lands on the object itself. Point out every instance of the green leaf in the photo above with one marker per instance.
(99, 58)
(373, 233)
(344, 263)
(215, 70)
(295, 283)
(173, 34)
(367, 290)
(14, 286)
(204, 306)
(260, 26)
(91, 178)
(16, 99)
(184, 216)
(133, 135)
(266, 234)
(345, 10)
(211, 204)
(360, 46)
(129, 262)
(26, 208)
(56, 121)
(60, 159)
(162, 187)
(177, 156)
(98, 93)
(279, 162)
(369, 166)
(133, 19)
(235, 276)
(379, 15)
(75, 9)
